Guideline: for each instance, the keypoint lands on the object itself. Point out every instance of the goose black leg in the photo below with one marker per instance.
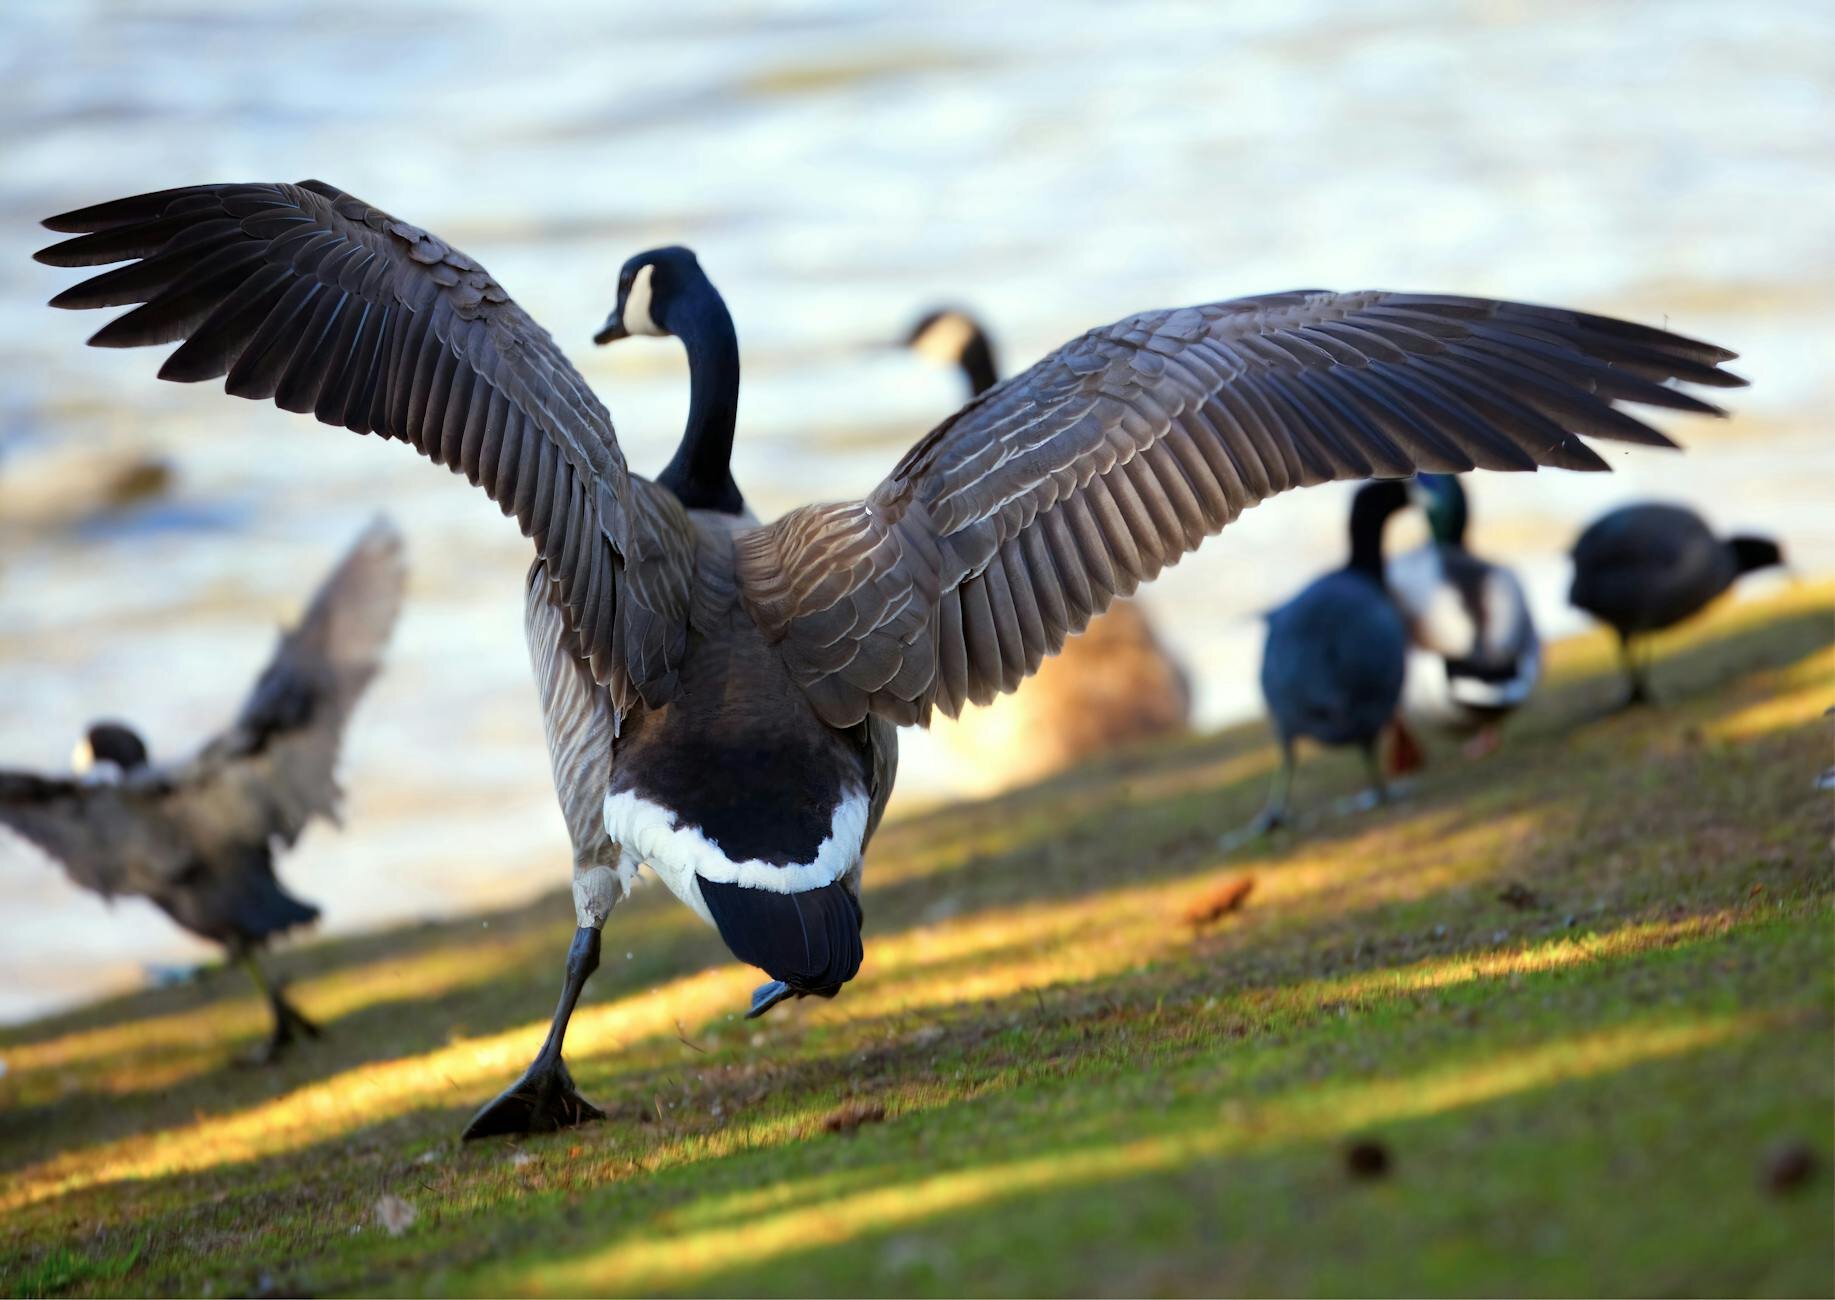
(1636, 674)
(289, 1021)
(1378, 793)
(1274, 813)
(544, 1099)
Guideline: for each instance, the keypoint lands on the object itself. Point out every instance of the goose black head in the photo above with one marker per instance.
(1751, 553)
(664, 293)
(109, 749)
(650, 285)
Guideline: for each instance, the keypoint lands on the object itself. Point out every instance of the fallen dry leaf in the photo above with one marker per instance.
(1519, 896)
(1217, 902)
(395, 1215)
(850, 1115)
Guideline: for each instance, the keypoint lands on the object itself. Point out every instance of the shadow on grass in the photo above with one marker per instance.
(1037, 1111)
(1608, 846)
(1169, 837)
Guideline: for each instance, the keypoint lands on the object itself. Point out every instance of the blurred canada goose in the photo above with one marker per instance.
(950, 337)
(1472, 618)
(1333, 662)
(722, 696)
(1112, 684)
(198, 837)
(1642, 568)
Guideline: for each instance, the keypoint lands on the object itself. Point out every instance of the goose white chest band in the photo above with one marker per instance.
(651, 833)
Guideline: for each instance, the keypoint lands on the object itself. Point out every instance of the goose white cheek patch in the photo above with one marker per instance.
(637, 318)
(944, 339)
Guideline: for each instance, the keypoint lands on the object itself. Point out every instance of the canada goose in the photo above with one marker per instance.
(748, 678)
(198, 838)
(1642, 568)
(1112, 684)
(1472, 618)
(951, 337)
(1333, 662)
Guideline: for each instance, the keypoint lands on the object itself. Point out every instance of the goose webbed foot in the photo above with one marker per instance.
(290, 1025)
(1638, 697)
(1268, 820)
(1635, 699)
(1273, 815)
(1637, 679)
(542, 1101)
(1377, 795)
(768, 995)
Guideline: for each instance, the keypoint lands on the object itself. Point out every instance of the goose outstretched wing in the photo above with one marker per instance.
(1024, 515)
(275, 767)
(108, 838)
(270, 772)
(308, 296)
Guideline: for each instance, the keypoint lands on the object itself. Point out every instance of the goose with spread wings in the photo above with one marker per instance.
(1111, 685)
(199, 838)
(721, 694)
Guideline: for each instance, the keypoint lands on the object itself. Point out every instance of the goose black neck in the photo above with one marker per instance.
(700, 473)
(978, 365)
(1370, 511)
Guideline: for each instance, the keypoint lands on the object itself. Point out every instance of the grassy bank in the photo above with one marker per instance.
(1561, 1020)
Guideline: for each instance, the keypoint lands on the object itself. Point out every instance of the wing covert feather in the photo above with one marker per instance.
(1017, 520)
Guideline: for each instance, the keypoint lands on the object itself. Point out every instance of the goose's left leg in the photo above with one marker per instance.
(289, 1020)
(1378, 792)
(1637, 675)
(1274, 813)
(545, 1098)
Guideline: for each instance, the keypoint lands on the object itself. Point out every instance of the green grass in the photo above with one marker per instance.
(1065, 1085)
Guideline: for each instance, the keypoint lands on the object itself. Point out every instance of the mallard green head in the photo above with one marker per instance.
(1443, 500)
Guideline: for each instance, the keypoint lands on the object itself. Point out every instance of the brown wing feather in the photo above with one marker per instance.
(1016, 521)
(312, 298)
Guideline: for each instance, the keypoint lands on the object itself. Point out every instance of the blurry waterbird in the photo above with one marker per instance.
(722, 695)
(199, 837)
(1471, 616)
(950, 336)
(1112, 684)
(1335, 654)
(1642, 568)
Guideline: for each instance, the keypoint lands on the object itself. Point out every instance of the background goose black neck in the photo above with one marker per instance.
(1370, 511)
(700, 473)
(978, 364)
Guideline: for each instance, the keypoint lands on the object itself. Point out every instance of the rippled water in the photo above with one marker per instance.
(838, 166)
